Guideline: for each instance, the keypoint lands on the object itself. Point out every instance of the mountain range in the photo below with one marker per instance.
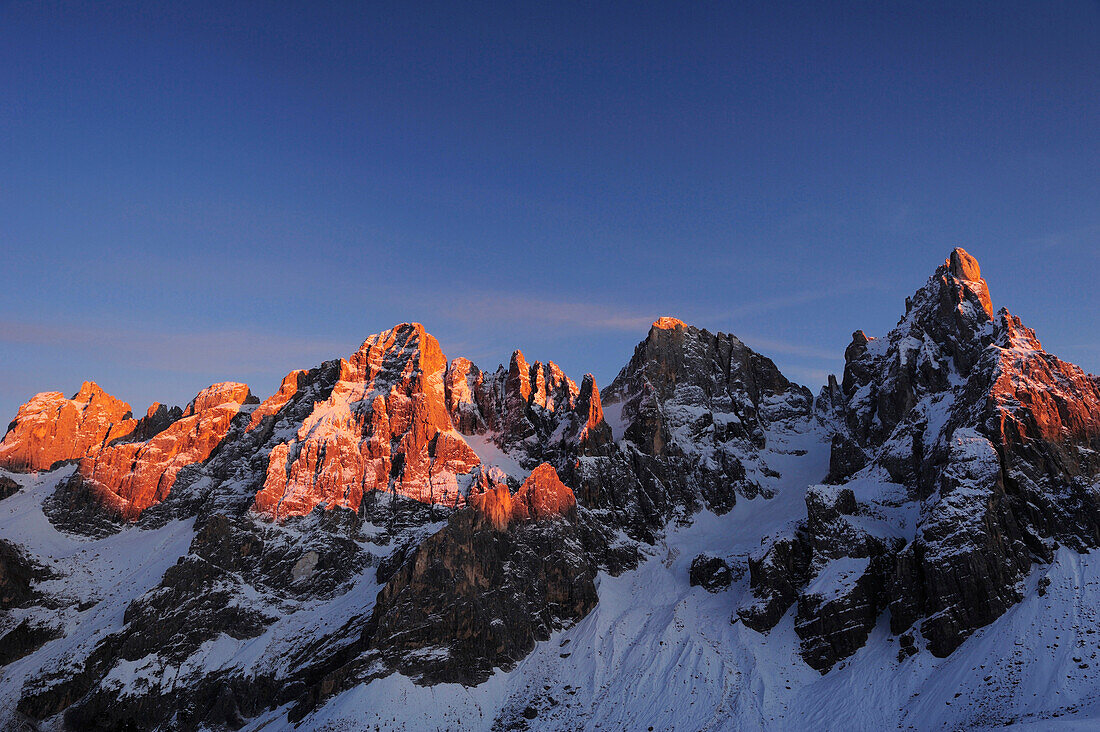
(400, 540)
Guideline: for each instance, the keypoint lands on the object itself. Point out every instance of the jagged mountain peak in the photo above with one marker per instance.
(383, 424)
(50, 429)
(406, 345)
(677, 359)
(955, 282)
(667, 322)
(955, 300)
(89, 390)
(965, 269)
(226, 392)
(975, 446)
(947, 325)
(963, 265)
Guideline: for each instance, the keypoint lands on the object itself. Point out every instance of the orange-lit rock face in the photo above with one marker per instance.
(385, 426)
(588, 403)
(1039, 396)
(551, 389)
(594, 432)
(963, 265)
(517, 395)
(496, 504)
(668, 323)
(132, 476)
(462, 382)
(287, 389)
(964, 268)
(50, 428)
(542, 496)
(227, 392)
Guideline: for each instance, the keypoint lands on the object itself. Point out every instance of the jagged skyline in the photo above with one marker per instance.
(509, 539)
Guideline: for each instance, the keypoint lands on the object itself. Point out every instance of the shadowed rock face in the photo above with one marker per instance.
(491, 586)
(695, 407)
(157, 419)
(50, 429)
(477, 595)
(236, 578)
(8, 487)
(18, 575)
(946, 328)
(711, 573)
(679, 365)
(993, 444)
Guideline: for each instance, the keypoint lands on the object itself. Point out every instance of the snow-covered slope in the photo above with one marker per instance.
(92, 581)
(657, 652)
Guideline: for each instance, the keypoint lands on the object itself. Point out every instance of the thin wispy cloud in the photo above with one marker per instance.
(1085, 235)
(808, 376)
(230, 352)
(536, 312)
(513, 309)
(794, 299)
(772, 345)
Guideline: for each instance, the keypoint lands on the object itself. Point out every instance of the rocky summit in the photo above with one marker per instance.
(402, 540)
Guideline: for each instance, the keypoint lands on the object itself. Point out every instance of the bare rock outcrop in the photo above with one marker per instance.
(713, 574)
(385, 426)
(477, 595)
(8, 487)
(982, 450)
(128, 477)
(50, 429)
(18, 576)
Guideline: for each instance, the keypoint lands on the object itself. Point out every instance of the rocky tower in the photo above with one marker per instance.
(51, 429)
(130, 476)
(384, 426)
(699, 404)
(975, 449)
(535, 413)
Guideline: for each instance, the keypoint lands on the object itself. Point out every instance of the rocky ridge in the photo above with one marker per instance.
(50, 429)
(962, 454)
(397, 511)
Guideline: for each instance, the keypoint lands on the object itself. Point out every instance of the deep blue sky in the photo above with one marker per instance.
(201, 192)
